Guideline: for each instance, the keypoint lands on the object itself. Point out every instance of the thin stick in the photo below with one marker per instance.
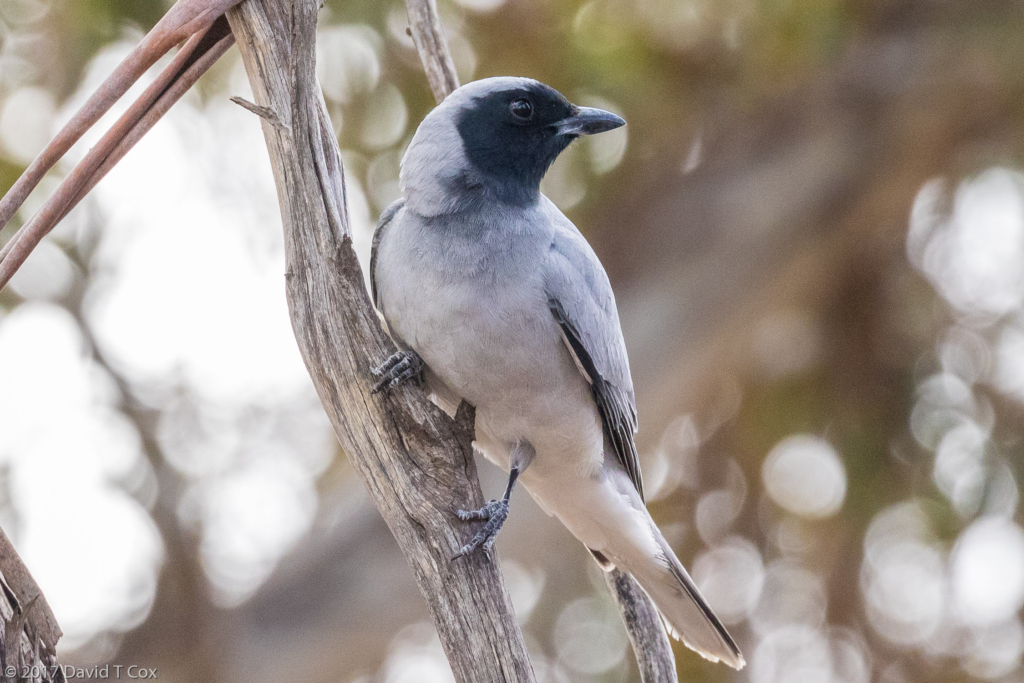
(428, 35)
(194, 59)
(650, 641)
(185, 18)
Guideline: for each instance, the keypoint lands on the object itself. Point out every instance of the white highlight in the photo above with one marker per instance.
(804, 475)
(988, 571)
(65, 446)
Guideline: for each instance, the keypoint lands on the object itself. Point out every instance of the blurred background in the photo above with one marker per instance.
(814, 224)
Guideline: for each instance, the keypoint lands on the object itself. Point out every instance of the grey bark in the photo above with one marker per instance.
(416, 463)
(654, 656)
(428, 35)
(28, 640)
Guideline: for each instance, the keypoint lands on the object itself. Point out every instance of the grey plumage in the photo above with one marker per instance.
(482, 277)
(382, 223)
(580, 297)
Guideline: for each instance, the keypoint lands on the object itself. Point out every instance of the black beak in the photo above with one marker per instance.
(589, 121)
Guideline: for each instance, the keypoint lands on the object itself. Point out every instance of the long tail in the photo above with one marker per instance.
(607, 514)
(686, 613)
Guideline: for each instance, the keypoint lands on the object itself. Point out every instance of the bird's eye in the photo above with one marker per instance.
(521, 109)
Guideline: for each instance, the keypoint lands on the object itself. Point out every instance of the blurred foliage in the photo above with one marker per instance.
(756, 231)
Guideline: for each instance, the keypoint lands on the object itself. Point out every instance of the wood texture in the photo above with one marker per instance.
(28, 641)
(428, 35)
(416, 463)
(650, 641)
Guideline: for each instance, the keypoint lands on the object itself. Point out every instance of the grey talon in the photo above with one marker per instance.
(495, 513)
(486, 537)
(386, 366)
(484, 513)
(397, 369)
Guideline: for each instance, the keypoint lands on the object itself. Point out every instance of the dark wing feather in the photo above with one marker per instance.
(581, 300)
(618, 413)
(378, 234)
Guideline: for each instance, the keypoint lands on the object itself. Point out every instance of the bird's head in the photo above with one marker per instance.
(493, 140)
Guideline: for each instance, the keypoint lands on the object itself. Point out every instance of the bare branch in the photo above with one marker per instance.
(643, 623)
(428, 35)
(416, 463)
(195, 58)
(34, 606)
(185, 20)
(28, 641)
(265, 113)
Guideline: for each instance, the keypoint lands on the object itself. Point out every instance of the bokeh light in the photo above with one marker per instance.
(67, 449)
(814, 226)
(804, 475)
(588, 637)
(26, 121)
(988, 571)
(731, 577)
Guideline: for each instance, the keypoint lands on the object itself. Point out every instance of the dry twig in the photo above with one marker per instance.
(28, 642)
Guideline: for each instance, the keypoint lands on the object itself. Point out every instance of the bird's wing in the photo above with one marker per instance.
(378, 234)
(581, 299)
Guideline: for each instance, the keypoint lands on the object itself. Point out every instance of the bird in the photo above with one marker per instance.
(493, 296)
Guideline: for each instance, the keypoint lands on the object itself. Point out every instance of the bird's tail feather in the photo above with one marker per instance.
(686, 613)
(608, 515)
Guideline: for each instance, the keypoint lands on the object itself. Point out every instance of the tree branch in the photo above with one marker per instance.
(28, 642)
(650, 641)
(208, 37)
(428, 35)
(416, 462)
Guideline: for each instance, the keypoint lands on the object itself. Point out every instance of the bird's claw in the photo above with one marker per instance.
(398, 369)
(495, 512)
(488, 511)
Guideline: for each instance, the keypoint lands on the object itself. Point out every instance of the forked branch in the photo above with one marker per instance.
(416, 463)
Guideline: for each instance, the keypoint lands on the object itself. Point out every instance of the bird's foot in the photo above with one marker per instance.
(398, 369)
(495, 512)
